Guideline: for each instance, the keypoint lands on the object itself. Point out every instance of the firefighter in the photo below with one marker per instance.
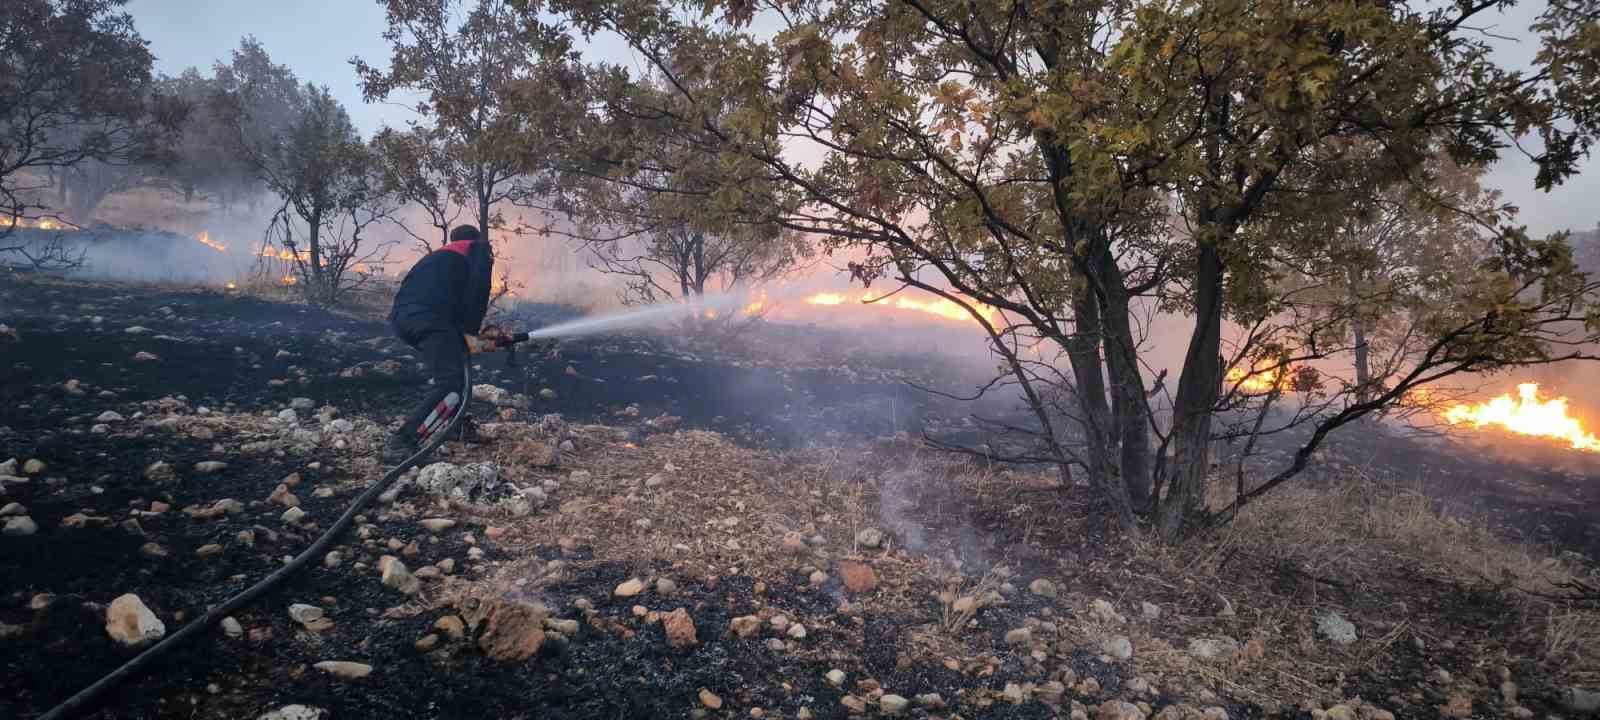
(439, 310)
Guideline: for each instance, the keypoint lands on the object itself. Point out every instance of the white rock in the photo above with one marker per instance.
(1119, 647)
(295, 712)
(797, 631)
(1336, 628)
(293, 515)
(302, 403)
(206, 467)
(892, 704)
(231, 627)
(132, 624)
(1151, 610)
(1042, 588)
(1213, 647)
(33, 467)
(13, 509)
(397, 576)
(345, 669)
(288, 416)
(835, 677)
(870, 538)
(438, 524)
(109, 416)
(137, 330)
(306, 614)
(1104, 611)
(20, 526)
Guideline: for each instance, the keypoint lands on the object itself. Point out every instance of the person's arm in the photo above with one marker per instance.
(475, 297)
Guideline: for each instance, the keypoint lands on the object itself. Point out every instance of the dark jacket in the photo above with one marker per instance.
(447, 289)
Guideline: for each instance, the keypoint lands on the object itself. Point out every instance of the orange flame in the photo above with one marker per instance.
(233, 286)
(1258, 381)
(37, 223)
(285, 254)
(288, 280)
(1526, 414)
(940, 307)
(205, 239)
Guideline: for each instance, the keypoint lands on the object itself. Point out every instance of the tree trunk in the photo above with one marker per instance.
(314, 242)
(1358, 328)
(1083, 351)
(1128, 410)
(1197, 393)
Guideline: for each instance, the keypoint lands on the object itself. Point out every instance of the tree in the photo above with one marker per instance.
(654, 210)
(303, 147)
(1062, 163)
(75, 87)
(417, 168)
(490, 84)
(205, 161)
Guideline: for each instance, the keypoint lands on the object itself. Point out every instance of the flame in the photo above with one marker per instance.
(205, 239)
(1258, 381)
(288, 280)
(285, 254)
(757, 305)
(941, 307)
(1526, 414)
(233, 286)
(37, 223)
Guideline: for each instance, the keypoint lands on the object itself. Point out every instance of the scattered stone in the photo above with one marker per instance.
(19, 526)
(1213, 647)
(1458, 706)
(1042, 588)
(1119, 647)
(13, 509)
(41, 601)
(33, 466)
(1151, 610)
(870, 538)
(397, 576)
(159, 471)
(437, 525)
(1104, 611)
(1581, 701)
(132, 624)
(332, 559)
(152, 550)
(293, 515)
(665, 586)
(208, 550)
(427, 642)
(855, 705)
(794, 544)
(1013, 694)
(892, 704)
(513, 631)
(451, 626)
(344, 669)
(295, 712)
(232, 628)
(818, 577)
(301, 403)
(710, 699)
(282, 496)
(1118, 710)
(630, 588)
(680, 629)
(932, 701)
(1019, 636)
(745, 626)
(143, 356)
(858, 577)
(1337, 629)
(206, 467)
(835, 677)
(797, 631)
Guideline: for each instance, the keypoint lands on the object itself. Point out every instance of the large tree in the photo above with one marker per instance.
(1066, 163)
(490, 88)
(75, 88)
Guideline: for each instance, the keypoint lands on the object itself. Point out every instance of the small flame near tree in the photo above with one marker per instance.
(1526, 414)
(36, 223)
(205, 239)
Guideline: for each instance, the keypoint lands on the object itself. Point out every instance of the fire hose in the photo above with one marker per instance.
(84, 697)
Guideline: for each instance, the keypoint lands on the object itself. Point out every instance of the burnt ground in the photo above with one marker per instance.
(225, 364)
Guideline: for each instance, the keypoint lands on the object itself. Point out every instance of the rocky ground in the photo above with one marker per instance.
(647, 532)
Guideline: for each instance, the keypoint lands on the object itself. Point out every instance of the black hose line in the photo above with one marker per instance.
(79, 702)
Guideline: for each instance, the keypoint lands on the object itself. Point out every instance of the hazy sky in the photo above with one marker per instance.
(317, 38)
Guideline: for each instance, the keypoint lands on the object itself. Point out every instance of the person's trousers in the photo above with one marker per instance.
(444, 351)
